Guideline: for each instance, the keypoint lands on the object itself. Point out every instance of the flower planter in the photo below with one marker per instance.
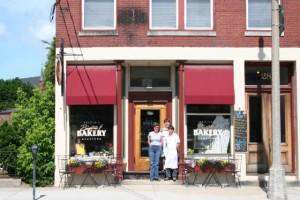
(77, 169)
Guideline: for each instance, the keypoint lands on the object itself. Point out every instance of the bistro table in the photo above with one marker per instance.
(88, 172)
(212, 173)
(87, 163)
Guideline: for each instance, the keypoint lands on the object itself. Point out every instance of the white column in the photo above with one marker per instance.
(61, 130)
(239, 84)
(239, 93)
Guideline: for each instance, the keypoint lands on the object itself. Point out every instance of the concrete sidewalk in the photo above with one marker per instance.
(144, 192)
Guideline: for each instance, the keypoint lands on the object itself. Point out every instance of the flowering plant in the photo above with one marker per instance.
(101, 163)
(108, 149)
(74, 162)
(217, 163)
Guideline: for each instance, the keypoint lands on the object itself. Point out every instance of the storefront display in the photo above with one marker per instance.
(208, 133)
(91, 129)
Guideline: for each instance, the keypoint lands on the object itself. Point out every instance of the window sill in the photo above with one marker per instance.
(182, 33)
(98, 33)
(258, 33)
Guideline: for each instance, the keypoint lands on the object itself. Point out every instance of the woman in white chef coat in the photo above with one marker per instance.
(171, 144)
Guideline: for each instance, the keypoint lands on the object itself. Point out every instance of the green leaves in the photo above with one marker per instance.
(34, 119)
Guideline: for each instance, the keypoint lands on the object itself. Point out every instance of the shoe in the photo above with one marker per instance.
(166, 179)
(174, 179)
(158, 179)
(151, 179)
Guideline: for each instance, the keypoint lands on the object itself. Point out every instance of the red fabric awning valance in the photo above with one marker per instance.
(208, 84)
(91, 84)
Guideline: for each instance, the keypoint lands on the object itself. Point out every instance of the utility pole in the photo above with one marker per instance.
(277, 184)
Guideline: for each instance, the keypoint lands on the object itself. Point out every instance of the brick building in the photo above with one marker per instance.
(205, 64)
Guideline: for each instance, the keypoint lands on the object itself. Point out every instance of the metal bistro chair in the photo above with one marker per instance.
(189, 165)
(114, 166)
(64, 173)
(235, 170)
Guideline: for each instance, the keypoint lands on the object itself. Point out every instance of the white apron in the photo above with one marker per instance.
(170, 151)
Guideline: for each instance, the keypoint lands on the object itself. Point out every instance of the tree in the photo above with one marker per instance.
(8, 92)
(9, 143)
(34, 120)
(49, 71)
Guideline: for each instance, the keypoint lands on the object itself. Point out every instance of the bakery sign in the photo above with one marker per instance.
(91, 131)
(208, 132)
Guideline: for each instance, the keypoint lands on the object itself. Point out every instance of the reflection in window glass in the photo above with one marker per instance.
(259, 14)
(255, 122)
(198, 13)
(150, 77)
(164, 14)
(99, 14)
(93, 127)
(148, 117)
(208, 133)
(282, 118)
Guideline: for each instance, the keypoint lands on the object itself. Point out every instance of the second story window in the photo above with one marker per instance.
(99, 14)
(163, 14)
(198, 14)
(259, 14)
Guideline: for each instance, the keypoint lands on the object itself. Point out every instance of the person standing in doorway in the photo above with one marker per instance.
(170, 148)
(155, 141)
(165, 132)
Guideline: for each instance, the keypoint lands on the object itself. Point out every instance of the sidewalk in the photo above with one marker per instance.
(144, 192)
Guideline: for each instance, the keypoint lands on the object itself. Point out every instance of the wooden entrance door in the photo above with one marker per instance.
(145, 116)
(259, 108)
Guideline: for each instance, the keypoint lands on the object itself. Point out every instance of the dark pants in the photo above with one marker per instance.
(171, 173)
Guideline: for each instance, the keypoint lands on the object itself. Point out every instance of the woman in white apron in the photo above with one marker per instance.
(171, 144)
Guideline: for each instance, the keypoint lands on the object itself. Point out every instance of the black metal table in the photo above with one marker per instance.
(212, 174)
(88, 172)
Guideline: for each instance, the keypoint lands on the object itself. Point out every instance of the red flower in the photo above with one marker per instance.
(110, 144)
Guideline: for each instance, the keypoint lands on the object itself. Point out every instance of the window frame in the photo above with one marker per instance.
(231, 138)
(256, 28)
(98, 27)
(163, 28)
(200, 28)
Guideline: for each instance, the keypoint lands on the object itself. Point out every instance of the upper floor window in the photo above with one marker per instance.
(163, 14)
(99, 14)
(259, 14)
(198, 14)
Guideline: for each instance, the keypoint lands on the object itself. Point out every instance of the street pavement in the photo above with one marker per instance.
(144, 192)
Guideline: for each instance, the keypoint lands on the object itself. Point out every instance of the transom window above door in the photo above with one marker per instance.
(164, 14)
(99, 14)
(148, 77)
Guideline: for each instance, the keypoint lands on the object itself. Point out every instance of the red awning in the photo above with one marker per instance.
(208, 84)
(91, 85)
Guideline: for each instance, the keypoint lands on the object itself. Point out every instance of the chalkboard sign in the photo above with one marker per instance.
(240, 130)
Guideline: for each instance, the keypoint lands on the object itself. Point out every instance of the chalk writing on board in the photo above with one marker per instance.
(240, 130)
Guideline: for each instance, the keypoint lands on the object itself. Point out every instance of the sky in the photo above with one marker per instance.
(23, 26)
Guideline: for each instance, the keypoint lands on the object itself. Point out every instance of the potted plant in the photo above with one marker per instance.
(212, 164)
(76, 165)
(100, 164)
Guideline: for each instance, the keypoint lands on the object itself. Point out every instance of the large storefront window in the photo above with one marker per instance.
(208, 129)
(91, 129)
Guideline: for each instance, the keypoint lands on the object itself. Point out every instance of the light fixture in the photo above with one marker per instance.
(150, 113)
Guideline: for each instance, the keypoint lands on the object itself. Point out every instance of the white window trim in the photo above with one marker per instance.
(99, 28)
(194, 28)
(247, 20)
(162, 28)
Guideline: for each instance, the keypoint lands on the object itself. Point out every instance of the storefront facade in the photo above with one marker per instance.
(217, 97)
